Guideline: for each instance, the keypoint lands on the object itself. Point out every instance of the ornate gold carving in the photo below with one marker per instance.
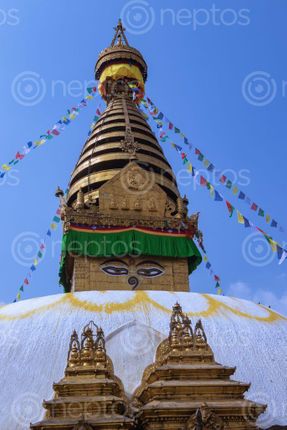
(80, 204)
(152, 205)
(74, 355)
(205, 419)
(170, 208)
(91, 351)
(138, 205)
(82, 425)
(199, 335)
(129, 144)
(89, 390)
(135, 178)
(113, 203)
(181, 377)
(87, 347)
(181, 334)
(120, 35)
(125, 204)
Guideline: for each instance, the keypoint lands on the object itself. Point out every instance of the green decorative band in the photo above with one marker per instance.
(87, 242)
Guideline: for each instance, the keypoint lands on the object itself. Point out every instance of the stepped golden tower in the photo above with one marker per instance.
(123, 199)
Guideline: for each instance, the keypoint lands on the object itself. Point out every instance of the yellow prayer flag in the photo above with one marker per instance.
(39, 142)
(53, 226)
(205, 258)
(36, 262)
(88, 97)
(235, 190)
(18, 296)
(268, 219)
(273, 245)
(240, 217)
(206, 163)
(189, 167)
(6, 167)
(211, 190)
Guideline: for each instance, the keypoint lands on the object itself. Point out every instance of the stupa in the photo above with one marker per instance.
(127, 345)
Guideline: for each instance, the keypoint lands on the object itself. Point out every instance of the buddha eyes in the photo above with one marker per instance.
(150, 272)
(115, 271)
(144, 269)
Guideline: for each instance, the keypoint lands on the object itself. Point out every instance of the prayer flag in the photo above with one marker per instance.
(240, 217)
(218, 197)
(230, 208)
(274, 223)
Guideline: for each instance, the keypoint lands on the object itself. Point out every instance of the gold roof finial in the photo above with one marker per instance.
(120, 35)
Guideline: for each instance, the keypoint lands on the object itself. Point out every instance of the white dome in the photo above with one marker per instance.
(34, 339)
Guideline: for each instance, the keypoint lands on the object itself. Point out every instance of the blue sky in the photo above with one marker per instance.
(199, 53)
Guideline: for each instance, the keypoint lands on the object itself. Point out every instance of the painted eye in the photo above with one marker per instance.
(115, 271)
(150, 272)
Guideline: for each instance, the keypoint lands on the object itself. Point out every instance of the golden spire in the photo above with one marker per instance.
(122, 133)
(74, 357)
(119, 36)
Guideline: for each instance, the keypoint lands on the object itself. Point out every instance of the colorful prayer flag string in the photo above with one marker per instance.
(215, 277)
(50, 134)
(164, 138)
(40, 254)
(161, 119)
(94, 122)
(217, 196)
(52, 228)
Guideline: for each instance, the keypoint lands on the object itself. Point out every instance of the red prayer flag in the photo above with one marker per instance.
(19, 156)
(254, 207)
(223, 179)
(230, 208)
(203, 181)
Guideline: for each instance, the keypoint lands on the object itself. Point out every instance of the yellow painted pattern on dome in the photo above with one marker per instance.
(141, 301)
(33, 312)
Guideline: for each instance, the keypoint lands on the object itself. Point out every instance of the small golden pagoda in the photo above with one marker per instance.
(90, 395)
(186, 389)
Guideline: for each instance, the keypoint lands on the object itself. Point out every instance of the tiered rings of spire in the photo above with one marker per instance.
(121, 133)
